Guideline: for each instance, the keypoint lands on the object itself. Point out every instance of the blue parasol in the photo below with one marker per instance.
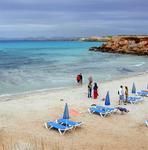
(66, 112)
(134, 89)
(107, 99)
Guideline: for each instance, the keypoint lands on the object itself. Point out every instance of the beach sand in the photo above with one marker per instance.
(22, 120)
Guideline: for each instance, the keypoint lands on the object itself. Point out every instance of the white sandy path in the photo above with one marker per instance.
(22, 117)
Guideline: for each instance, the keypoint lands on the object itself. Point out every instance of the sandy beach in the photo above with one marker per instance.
(22, 120)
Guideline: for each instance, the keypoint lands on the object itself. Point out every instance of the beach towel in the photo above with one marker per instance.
(74, 112)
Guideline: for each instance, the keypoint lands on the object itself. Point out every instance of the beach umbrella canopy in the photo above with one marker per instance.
(66, 112)
(107, 99)
(134, 89)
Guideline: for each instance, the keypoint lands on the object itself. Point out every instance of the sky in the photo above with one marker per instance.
(72, 18)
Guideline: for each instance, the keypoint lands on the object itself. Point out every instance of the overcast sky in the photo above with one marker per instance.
(56, 18)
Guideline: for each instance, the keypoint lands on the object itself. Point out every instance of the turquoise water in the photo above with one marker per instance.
(27, 66)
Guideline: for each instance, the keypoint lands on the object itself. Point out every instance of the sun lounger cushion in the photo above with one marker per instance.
(68, 122)
(143, 93)
(103, 112)
(134, 99)
(106, 108)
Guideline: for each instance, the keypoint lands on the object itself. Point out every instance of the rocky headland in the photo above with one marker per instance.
(137, 45)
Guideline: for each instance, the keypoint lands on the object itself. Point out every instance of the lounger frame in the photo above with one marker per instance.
(101, 114)
(62, 132)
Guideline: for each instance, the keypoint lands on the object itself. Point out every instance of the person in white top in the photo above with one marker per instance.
(121, 95)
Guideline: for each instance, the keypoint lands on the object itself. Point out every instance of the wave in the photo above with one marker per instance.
(140, 64)
(124, 70)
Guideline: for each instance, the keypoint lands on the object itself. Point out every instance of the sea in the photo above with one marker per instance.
(27, 66)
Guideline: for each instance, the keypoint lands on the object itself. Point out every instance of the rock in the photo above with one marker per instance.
(125, 44)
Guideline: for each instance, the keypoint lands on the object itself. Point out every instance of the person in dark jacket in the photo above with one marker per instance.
(81, 78)
(89, 90)
(95, 91)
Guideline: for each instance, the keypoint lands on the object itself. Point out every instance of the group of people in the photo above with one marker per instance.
(92, 89)
(123, 95)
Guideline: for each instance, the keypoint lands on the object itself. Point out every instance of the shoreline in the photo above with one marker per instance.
(41, 91)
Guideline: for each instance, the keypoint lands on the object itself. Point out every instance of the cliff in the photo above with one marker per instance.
(125, 45)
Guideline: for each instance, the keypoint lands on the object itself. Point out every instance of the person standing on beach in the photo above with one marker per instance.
(126, 94)
(89, 89)
(81, 78)
(121, 95)
(90, 80)
(78, 78)
(95, 91)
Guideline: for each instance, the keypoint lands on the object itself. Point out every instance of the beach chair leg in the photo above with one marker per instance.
(64, 132)
(45, 124)
(50, 128)
(89, 111)
(109, 113)
(101, 115)
(61, 132)
(106, 114)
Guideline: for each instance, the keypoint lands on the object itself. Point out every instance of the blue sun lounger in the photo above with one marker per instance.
(146, 122)
(102, 112)
(135, 99)
(143, 93)
(68, 122)
(61, 128)
(106, 108)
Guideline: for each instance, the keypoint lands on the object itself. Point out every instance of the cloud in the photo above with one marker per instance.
(72, 17)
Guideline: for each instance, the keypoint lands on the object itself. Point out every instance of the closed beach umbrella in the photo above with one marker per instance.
(107, 99)
(66, 112)
(147, 86)
(134, 89)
